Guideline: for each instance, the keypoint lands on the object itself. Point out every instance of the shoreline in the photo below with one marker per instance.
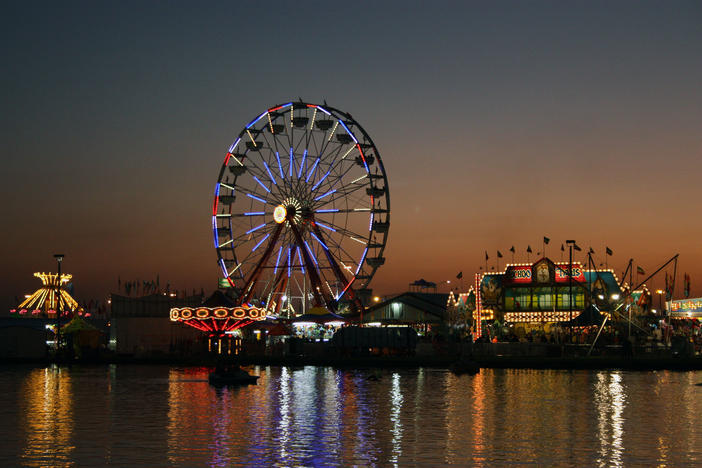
(446, 362)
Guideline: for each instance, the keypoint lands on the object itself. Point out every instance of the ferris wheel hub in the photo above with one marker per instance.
(279, 214)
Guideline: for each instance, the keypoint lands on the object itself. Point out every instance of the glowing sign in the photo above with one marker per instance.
(279, 214)
(562, 270)
(519, 274)
(524, 274)
(687, 306)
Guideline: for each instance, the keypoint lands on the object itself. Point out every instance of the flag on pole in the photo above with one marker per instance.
(640, 271)
(459, 275)
(546, 240)
(591, 251)
(608, 251)
(499, 254)
(512, 249)
(575, 247)
(562, 248)
(486, 256)
(529, 248)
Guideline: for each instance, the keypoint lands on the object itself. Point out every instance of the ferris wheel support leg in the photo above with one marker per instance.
(248, 287)
(356, 304)
(320, 298)
(280, 290)
(279, 285)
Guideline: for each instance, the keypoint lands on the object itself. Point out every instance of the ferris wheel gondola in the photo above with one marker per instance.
(301, 207)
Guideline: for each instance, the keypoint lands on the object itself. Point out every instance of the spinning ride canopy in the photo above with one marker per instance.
(301, 205)
(217, 315)
(46, 299)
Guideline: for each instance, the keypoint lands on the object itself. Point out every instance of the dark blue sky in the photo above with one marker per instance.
(498, 122)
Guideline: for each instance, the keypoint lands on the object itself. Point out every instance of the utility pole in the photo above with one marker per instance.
(59, 258)
(570, 243)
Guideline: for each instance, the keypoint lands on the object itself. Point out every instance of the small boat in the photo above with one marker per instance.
(233, 377)
(465, 367)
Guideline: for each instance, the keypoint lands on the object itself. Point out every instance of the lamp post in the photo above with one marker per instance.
(660, 299)
(59, 258)
(570, 243)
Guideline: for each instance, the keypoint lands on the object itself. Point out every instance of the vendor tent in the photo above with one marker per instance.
(318, 315)
(590, 316)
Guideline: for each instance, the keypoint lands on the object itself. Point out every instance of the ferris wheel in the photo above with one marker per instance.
(301, 209)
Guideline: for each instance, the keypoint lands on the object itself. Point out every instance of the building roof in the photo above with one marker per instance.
(606, 276)
(153, 305)
(35, 323)
(432, 303)
(218, 299)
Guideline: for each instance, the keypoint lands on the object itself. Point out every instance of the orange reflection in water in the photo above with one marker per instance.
(48, 418)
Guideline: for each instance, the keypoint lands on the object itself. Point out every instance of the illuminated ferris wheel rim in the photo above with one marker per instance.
(298, 197)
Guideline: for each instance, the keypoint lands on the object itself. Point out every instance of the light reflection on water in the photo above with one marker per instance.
(158, 415)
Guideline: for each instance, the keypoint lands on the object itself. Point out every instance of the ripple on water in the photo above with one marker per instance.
(159, 415)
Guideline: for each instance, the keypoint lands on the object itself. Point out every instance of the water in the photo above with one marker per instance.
(314, 416)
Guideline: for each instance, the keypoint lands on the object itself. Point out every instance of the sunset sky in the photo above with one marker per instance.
(498, 123)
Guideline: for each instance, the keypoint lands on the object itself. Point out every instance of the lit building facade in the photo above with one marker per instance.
(543, 292)
(686, 308)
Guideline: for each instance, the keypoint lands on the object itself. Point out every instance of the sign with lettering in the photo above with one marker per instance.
(684, 306)
(519, 274)
(562, 275)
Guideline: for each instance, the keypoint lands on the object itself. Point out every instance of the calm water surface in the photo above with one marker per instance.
(314, 416)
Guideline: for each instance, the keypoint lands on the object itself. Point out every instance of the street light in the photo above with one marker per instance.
(571, 243)
(59, 259)
(660, 299)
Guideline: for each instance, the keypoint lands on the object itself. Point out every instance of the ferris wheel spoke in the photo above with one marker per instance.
(314, 276)
(302, 164)
(341, 211)
(335, 179)
(256, 273)
(250, 234)
(273, 147)
(337, 271)
(338, 195)
(346, 232)
(249, 214)
(332, 159)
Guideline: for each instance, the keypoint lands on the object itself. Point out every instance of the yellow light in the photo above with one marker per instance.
(376, 299)
(279, 214)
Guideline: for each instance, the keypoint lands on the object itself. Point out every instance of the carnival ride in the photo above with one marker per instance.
(301, 210)
(217, 315)
(51, 297)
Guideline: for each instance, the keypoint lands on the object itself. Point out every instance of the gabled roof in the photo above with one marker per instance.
(432, 303)
(218, 299)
